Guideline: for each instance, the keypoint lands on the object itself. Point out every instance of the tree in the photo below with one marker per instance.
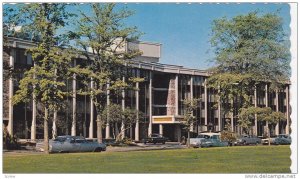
(45, 80)
(250, 49)
(246, 116)
(115, 115)
(227, 134)
(272, 118)
(189, 119)
(102, 36)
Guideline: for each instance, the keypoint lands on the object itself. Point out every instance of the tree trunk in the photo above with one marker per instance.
(46, 135)
(99, 128)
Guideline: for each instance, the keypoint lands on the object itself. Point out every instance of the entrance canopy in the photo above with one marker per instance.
(167, 119)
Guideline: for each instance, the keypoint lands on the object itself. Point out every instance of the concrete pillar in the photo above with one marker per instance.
(255, 105)
(219, 112)
(91, 130)
(73, 128)
(54, 128)
(277, 109)
(287, 128)
(123, 108)
(267, 103)
(33, 122)
(176, 96)
(232, 125)
(137, 107)
(205, 105)
(150, 103)
(107, 128)
(161, 129)
(11, 93)
(192, 97)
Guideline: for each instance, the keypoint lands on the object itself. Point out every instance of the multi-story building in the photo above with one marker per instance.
(160, 98)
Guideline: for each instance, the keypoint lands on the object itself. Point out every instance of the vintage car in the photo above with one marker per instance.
(72, 144)
(281, 139)
(247, 140)
(214, 141)
(196, 142)
(155, 138)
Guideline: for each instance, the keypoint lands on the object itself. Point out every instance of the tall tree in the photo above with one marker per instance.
(102, 37)
(115, 115)
(250, 49)
(270, 117)
(190, 105)
(45, 80)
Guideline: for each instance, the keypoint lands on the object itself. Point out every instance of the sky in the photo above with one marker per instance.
(184, 29)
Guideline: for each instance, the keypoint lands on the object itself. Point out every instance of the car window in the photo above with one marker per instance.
(201, 136)
(206, 136)
(80, 141)
(215, 137)
(60, 139)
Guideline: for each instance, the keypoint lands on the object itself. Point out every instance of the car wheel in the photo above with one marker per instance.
(98, 149)
(256, 143)
(244, 143)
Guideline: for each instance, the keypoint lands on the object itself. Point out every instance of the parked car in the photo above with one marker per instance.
(155, 138)
(214, 141)
(72, 144)
(247, 140)
(281, 139)
(196, 142)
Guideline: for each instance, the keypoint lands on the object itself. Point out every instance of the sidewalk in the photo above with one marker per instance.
(139, 147)
(145, 147)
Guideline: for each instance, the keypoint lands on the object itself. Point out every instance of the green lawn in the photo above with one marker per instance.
(243, 159)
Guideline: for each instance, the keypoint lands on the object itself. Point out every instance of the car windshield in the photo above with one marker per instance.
(155, 135)
(60, 139)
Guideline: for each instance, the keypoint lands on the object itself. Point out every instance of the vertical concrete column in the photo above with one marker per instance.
(267, 104)
(255, 116)
(34, 110)
(91, 129)
(123, 108)
(205, 105)
(176, 96)
(192, 97)
(73, 129)
(33, 122)
(11, 93)
(150, 103)
(137, 107)
(161, 129)
(54, 128)
(232, 126)
(277, 109)
(219, 111)
(107, 128)
(287, 96)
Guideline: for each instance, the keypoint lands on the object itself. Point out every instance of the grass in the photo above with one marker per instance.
(243, 159)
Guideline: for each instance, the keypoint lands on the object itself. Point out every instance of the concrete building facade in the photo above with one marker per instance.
(159, 97)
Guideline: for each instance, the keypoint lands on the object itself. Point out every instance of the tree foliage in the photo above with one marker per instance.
(102, 37)
(250, 50)
(115, 115)
(190, 105)
(45, 80)
(252, 44)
